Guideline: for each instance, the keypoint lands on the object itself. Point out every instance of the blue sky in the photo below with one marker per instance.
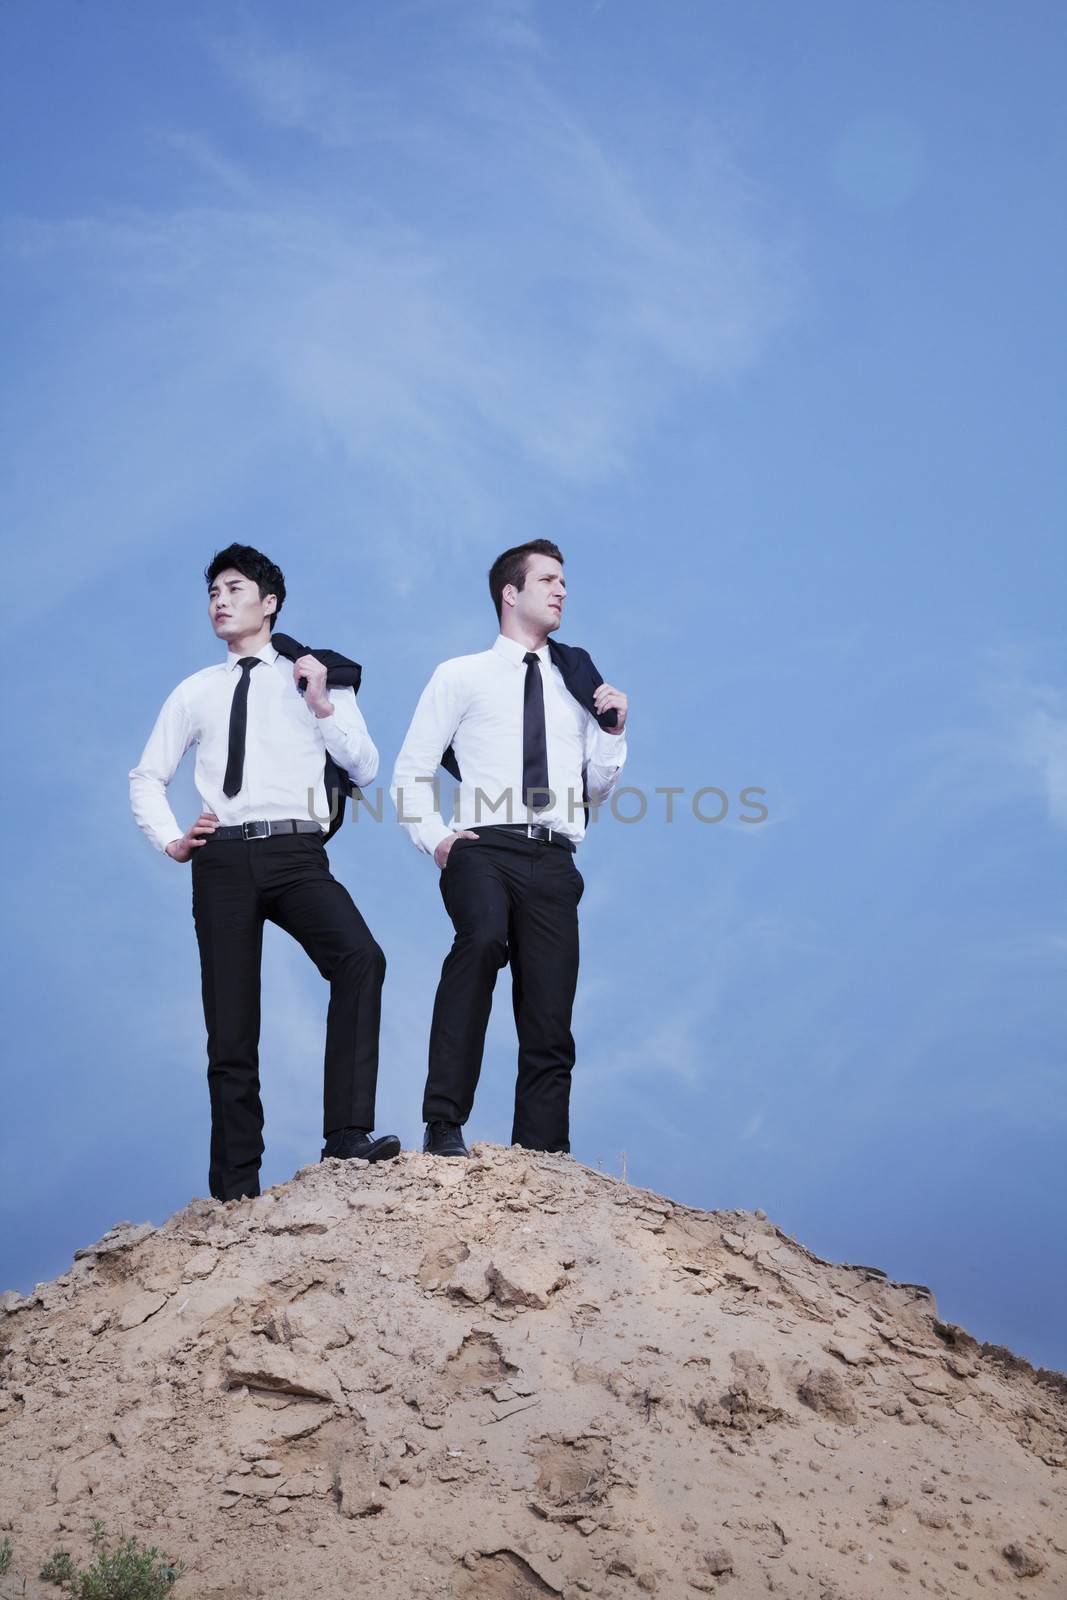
(754, 309)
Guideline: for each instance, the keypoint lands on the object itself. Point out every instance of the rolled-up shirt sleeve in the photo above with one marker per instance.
(605, 754)
(167, 743)
(432, 729)
(347, 738)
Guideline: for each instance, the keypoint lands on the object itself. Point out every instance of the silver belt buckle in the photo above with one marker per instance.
(255, 830)
(547, 832)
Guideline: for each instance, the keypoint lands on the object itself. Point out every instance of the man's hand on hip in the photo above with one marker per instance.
(444, 849)
(194, 836)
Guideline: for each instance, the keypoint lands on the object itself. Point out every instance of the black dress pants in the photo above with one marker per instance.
(237, 885)
(510, 899)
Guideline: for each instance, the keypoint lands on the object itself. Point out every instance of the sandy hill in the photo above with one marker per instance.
(515, 1377)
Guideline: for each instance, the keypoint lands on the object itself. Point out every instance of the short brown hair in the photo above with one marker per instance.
(511, 568)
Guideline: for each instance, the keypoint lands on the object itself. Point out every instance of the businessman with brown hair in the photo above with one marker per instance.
(534, 734)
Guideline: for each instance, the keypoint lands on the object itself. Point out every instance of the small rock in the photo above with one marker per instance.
(854, 1355)
(926, 1383)
(357, 1492)
(718, 1561)
(437, 1266)
(449, 1174)
(251, 1486)
(123, 1236)
(292, 1423)
(526, 1280)
(299, 1216)
(470, 1280)
(262, 1365)
(1022, 1560)
(823, 1391)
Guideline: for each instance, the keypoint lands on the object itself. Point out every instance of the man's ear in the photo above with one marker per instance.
(272, 608)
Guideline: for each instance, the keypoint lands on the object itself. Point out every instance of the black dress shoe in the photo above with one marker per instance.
(349, 1142)
(444, 1139)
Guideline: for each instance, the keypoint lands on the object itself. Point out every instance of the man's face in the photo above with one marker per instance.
(539, 603)
(235, 607)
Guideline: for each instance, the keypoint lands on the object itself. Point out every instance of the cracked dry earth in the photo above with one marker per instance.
(515, 1377)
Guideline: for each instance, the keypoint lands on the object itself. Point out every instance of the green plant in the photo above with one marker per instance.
(59, 1568)
(6, 1552)
(129, 1571)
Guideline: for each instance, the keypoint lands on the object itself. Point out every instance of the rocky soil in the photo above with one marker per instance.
(515, 1377)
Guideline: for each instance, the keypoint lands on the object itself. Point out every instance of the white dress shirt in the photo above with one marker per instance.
(475, 704)
(285, 748)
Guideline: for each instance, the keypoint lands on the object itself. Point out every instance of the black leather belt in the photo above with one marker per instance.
(263, 830)
(529, 830)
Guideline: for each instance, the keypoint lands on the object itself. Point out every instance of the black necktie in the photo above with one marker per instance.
(534, 743)
(235, 757)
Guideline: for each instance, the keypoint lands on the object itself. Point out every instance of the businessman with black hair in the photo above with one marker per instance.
(264, 727)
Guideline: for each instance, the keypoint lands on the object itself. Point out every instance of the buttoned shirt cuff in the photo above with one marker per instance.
(430, 832)
(607, 749)
(348, 742)
(161, 840)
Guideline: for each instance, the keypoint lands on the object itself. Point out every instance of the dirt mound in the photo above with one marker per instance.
(514, 1377)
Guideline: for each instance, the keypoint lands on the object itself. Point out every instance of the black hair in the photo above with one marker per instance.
(251, 564)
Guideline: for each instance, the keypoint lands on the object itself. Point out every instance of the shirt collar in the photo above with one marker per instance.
(515, 652)
(267, 654)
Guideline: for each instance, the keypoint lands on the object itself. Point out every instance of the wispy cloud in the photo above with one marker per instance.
(202, 153)
(504, 313)
(1006, 744)
(293, 90)
(1042, 746)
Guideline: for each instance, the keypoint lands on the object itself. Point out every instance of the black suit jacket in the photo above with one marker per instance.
(580, 677)
(341, 673)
